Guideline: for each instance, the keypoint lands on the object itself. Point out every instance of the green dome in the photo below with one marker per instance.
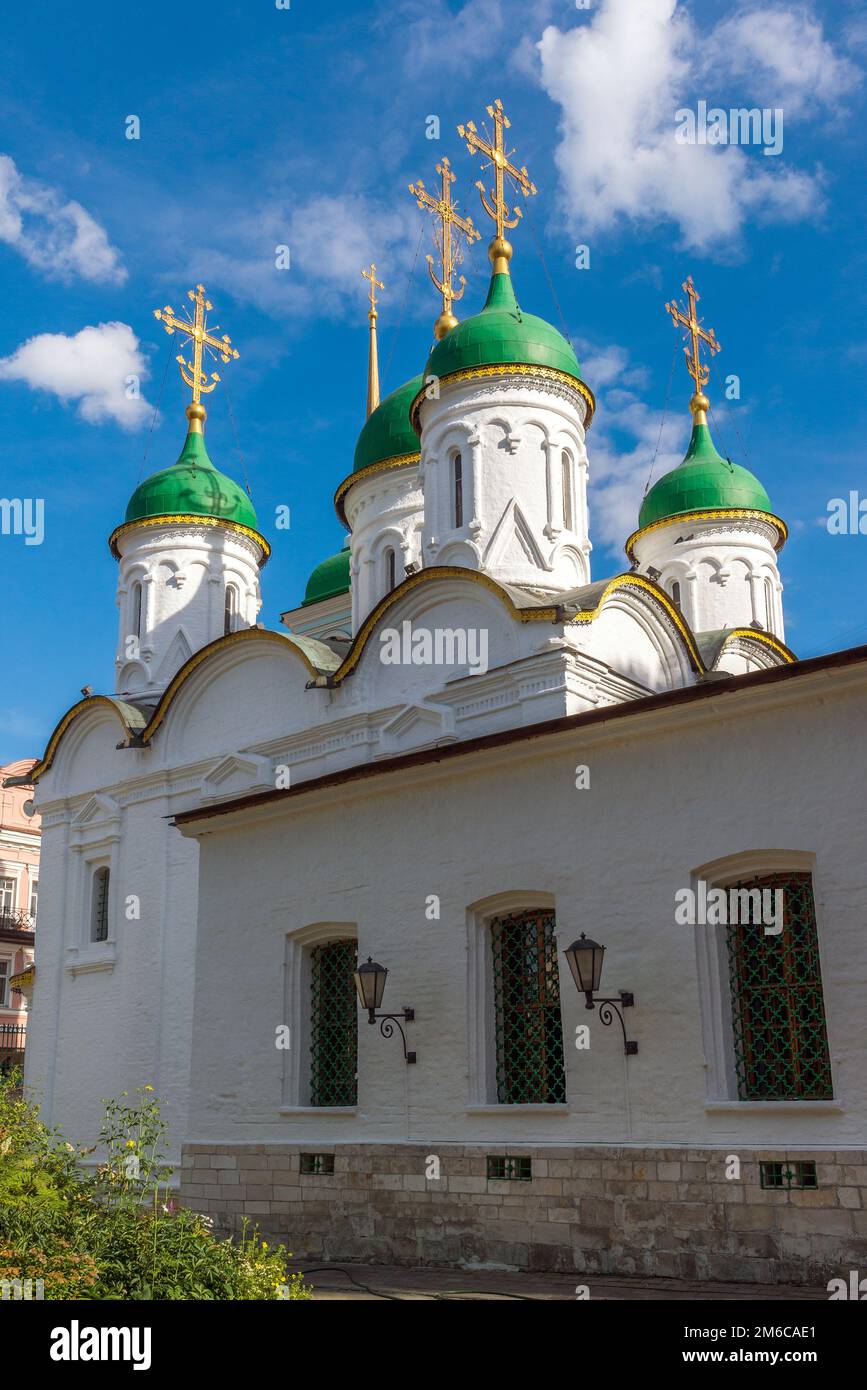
(387, 432)
(329, 578)
(194, 487)
(502, 335)
(703, 482)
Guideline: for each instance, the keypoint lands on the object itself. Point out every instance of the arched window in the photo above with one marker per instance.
(769, 604)
(527, 1024)
(333, 1024)
(778, 1010)
(675, 592)
(390, 570)
(568, 506)
(136, 609)
(230, 611)
(458, 473)
(99, 904)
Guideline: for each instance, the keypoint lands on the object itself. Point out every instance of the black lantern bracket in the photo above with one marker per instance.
(387, 1025)
(611, 1007)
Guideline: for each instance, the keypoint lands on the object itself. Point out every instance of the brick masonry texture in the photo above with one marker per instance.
(668, 1213)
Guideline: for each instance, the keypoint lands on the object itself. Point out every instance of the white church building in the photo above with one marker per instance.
(459, 755)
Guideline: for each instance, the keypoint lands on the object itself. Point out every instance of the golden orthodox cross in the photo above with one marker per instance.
(497, 209)
(374, 286)
(203, 340)
(698, 370)
(449, 249)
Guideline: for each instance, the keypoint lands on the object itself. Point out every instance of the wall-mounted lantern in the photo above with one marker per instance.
(370, 982)
(585, 962)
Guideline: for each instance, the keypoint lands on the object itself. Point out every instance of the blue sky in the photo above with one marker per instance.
(302, 127)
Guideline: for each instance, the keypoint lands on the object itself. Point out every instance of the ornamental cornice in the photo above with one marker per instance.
(735, 517)
(502, 376)
(176, 525)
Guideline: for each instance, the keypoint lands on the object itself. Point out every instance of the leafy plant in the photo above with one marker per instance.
(117, 1233)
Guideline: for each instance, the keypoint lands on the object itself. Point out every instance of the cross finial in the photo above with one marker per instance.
(373, 355)
(445, 211)
(204, 340)
(374, 286)
(698, 370)
(493, 147)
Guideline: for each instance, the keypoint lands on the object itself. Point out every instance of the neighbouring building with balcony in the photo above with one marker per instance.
(19, 892)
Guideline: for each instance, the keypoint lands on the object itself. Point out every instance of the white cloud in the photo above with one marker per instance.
(782, 48)
(91, 367)
(619, 81)
(57, 237)
(622, 443)
(330, 238)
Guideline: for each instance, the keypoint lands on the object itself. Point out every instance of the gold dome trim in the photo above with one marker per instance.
(189, 519)
(496, 369)
(709, 514)
(383, 466)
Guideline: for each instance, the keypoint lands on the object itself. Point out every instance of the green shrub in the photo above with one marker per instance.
(116, 1233)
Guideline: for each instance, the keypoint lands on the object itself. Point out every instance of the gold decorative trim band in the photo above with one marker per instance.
(247, 634)
(765, 638)
(709, 514)
(383, 466)
(145, 731)
(637, 581)
(428, 576)
(189, 519)
(509, 369)
(71, 714)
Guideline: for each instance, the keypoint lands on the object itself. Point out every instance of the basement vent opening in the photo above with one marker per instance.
(782, 1177)
(508, 1168)
(319, 1164)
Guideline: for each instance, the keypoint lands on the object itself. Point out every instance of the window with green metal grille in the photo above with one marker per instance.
(320, 1165)
(528, 1026)
(778, 1012)
(510, 1167)
(334, 1024)
(784, 1176)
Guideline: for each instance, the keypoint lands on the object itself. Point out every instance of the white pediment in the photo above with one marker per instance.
(236, 774)
(417, 726)
(98, 810)
(513, 542)
(179, 652)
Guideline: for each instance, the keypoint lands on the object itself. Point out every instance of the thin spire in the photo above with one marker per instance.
(373, 356)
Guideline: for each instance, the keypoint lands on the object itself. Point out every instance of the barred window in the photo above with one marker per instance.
(334, 1024)
(99, 904)
(528, 1026)
(458, 498)
(778, 1012)
(230, 610)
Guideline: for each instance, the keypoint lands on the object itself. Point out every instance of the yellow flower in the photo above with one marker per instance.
(130, 1143)
(148, 1088)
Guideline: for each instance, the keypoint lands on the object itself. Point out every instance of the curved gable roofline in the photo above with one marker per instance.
(306, 648)
(713, 651)
(431, 575)
(139, 725)
(132, 720)
(600, 593)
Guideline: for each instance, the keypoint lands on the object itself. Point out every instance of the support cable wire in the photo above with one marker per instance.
(662, 419)
(156, 410)
(540, 253)
(745, 453)
(238, 441)
(409, 280)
